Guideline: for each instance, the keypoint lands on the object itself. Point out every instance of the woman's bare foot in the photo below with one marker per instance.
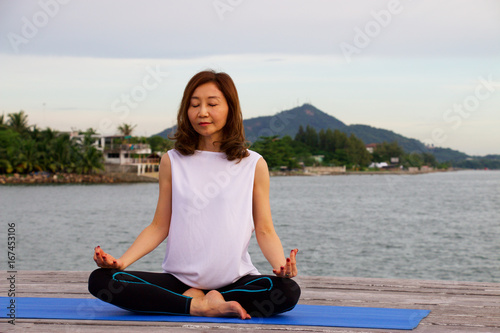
(193, 292)
(214, 305)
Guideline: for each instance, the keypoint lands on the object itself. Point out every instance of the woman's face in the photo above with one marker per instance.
(208, 111)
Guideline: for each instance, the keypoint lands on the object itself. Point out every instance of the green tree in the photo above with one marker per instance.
(333, 145)
(2, 122)
(29, 157)
(62, 153)
(10, 143)
(412, 160)
(160, 144)
(90, 131)
(46, 141)
(322, 139)
(126, 129)
(277, 152)
(88, 158)
(339, 139)
(311, 137)
(429, 159)
(25, 149)
(18, 121)
(385, 151)
(301, 135)
(356, 152)
(329, 140)
(340, 157)
(301, 153)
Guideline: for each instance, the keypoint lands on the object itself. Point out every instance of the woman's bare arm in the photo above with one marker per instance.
(268, 240)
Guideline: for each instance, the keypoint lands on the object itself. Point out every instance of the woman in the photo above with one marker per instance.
(213, 193)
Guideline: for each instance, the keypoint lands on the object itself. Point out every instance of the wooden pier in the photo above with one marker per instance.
(455, 306)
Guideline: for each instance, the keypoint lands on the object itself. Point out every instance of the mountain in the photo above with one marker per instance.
(450, 155)
(284, 123)
(377, 135)
(166, 132)
(288, 123)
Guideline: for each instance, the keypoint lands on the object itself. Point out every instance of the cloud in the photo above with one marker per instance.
(180, 29)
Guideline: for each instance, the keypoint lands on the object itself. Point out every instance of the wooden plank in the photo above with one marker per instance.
(455, 306)
(111, 326)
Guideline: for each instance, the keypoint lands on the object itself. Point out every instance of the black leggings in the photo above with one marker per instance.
(161, 293)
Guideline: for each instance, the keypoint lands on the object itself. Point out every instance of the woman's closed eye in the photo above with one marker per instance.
(197, 105)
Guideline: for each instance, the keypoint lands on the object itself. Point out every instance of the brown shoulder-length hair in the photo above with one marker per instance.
(233, 141)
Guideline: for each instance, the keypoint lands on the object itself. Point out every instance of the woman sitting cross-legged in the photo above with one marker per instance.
(214, 192)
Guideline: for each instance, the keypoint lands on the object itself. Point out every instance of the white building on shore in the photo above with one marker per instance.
(120, 156)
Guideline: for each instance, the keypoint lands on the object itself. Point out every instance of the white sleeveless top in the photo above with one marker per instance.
(212, 222)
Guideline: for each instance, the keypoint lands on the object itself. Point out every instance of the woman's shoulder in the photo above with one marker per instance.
(256, 160)
(172, 151)
(172, 154)
(253, 154)
(168, 157)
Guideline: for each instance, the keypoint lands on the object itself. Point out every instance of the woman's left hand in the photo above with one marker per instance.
(289, 270)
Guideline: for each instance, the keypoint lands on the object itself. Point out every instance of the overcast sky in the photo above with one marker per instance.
(426, 69)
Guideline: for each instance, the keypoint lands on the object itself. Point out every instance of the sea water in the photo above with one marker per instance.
(430, 226)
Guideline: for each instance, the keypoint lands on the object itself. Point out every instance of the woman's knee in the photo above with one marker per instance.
(282, 298)
(101, 282)
(291, 294)
(94, 282)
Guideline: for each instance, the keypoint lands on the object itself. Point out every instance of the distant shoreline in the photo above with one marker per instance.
(70, 178)
(347, 173)
(120, 178)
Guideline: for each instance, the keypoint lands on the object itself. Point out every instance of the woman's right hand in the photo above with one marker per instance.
(104, 260)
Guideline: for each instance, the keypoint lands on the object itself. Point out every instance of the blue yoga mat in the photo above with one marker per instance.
(304, 315)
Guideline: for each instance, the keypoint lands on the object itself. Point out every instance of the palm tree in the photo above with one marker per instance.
(29, 157)
(10, 144)
(89, 130)
(18, 121)
(87, 159)
(92, 161)
(46, 141)
(126, 129)
(61, 150)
